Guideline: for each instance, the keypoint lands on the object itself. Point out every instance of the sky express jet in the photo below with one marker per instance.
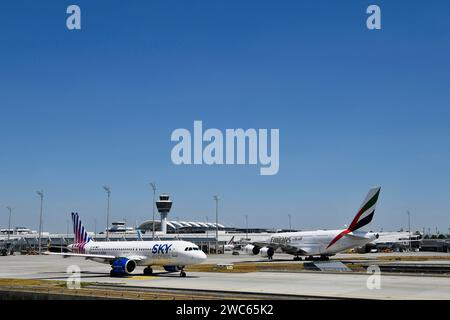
(322, 243)
(124, 256)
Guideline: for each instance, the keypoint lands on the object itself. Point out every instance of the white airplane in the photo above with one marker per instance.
(321, 243)
(124, 256)
(230, 245)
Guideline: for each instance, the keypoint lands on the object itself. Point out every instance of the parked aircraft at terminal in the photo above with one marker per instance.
(322, 243)
(124, 256)
(230, 245)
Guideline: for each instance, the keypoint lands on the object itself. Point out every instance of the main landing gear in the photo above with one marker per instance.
(321, 258)
(297, 258)
(148, 271)
(114, 274)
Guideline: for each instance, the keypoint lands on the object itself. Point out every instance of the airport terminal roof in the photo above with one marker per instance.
(181, 226)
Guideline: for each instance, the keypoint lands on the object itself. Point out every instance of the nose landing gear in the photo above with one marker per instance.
(182, 273)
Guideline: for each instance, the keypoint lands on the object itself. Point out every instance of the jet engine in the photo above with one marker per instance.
(251, 249)
(266, 252)
(172, 268)
(123, 265)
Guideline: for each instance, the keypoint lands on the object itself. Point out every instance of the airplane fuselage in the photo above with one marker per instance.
(320, 242)
(149, 252)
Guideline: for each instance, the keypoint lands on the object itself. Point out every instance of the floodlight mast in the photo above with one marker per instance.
(9, 220)
(41, 195)
(153, 185)
(216, 198)
(108, 192)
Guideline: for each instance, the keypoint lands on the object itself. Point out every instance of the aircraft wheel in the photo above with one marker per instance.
(148, 271)
(182, 274)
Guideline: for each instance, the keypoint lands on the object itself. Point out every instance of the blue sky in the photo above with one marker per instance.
(355, 108)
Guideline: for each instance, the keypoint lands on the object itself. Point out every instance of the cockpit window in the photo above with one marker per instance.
(191, 248)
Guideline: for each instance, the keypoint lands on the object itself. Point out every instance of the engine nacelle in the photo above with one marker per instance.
(123, 265)
(266, 252)
(172, 268)
(251, 249)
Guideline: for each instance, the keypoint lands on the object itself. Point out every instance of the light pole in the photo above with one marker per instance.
(153, 205)
(216, 198)
(246, 226)
(41, 195)
(409, 229)
(9, 221)
(290, 227)
(108, 192)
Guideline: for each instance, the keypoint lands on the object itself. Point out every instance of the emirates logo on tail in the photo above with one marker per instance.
(364, 215)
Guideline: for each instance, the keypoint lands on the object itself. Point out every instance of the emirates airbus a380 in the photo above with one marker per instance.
(322, 243)
(124, 256)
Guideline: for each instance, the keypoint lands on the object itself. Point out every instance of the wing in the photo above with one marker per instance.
(267, 244)
(355, 236)
(285, 247)
(80, 255)
(93, 256)
(309, 249)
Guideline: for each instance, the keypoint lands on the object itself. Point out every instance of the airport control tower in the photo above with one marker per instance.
(164, 205)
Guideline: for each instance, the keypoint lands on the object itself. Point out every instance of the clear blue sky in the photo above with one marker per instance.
(355, 108)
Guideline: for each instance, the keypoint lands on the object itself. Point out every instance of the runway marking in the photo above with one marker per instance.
(143, 277)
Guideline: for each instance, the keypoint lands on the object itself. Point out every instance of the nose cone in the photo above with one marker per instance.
(203, 256)
(200, 257)
(374, 236)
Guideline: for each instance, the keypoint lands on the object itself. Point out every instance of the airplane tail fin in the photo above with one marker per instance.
(80, 233)
(367, 210)
(139, 235)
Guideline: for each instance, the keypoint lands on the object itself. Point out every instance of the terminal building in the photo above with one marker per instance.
(181, 227)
